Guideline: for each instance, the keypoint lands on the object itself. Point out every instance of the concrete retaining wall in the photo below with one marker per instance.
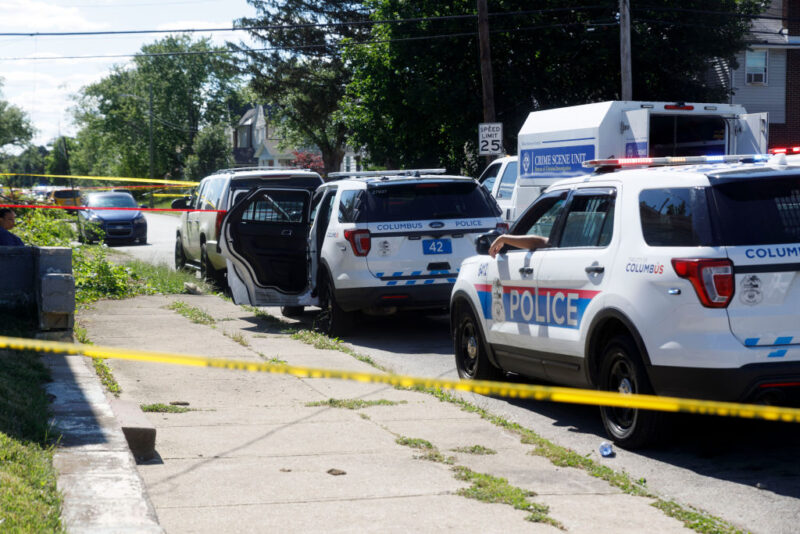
(39, 279)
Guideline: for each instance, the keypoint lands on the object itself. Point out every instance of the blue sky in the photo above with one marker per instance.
(43, 88)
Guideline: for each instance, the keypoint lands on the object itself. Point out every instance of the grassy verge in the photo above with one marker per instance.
(29, 500)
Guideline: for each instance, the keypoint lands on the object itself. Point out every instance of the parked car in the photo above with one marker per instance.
(371, 241)
(680, 281)
(499, 178)
(196, 242)
(64, 197)
(112, 225)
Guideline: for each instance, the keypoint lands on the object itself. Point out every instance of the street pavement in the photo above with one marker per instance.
(253, 455)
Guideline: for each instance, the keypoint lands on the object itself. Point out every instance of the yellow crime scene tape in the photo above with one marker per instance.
(481, 387)
(103, 178)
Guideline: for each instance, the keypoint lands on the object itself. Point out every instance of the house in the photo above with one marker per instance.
(768, 77)
(255, 143)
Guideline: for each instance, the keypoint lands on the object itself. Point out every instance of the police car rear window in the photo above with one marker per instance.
(760, 211)
(427, 200)
(675, 217)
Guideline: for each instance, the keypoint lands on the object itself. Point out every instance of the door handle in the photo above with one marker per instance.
(286, 232)
(595, 269)
(525, 270)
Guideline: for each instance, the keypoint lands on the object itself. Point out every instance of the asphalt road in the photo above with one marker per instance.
(745, 472)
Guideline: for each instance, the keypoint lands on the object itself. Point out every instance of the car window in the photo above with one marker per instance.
(115, 201)
(759, 211)
(197, 195)
(211, 195)
(276, 207)
(428, 200)
(540, 219)
(589, 222)
(489, 175)
(675, 217)
(507, 181)
(350, 204)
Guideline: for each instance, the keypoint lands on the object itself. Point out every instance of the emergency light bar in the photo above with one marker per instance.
(675, 160)
(403, 172)
(785, 150)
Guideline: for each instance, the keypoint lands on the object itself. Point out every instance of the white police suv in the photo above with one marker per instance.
(370, 241)
(677, 280)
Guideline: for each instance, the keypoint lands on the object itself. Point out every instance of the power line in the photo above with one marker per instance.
(271, 27)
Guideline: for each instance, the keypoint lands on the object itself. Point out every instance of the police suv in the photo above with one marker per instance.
(677, 280)
(368, 241)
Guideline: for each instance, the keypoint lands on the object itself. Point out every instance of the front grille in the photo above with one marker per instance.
(123, 229)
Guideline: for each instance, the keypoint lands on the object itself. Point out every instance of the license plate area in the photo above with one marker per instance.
(437, 246)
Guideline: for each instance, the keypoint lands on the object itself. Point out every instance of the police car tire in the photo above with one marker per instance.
(208, 272)
(470, 348)
(333, 320)
(622, 369)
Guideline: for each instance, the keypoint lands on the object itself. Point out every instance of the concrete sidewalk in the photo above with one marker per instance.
(253, 456)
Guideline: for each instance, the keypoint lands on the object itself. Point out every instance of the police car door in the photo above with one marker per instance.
(512, 275)
(572, 276)
(264, 238)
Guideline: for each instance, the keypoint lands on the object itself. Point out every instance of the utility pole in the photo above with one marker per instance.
(486, 65)
(625, 49)
(152, 154)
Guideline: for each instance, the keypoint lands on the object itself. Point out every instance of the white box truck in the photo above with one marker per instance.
(553, 144)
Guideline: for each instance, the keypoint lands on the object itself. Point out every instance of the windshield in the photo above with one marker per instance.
(427, 200)
(121, 201)
(760, 211)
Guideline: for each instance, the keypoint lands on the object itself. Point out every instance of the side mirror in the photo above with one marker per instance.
(180, 203)
(143, 205)
(484, 241)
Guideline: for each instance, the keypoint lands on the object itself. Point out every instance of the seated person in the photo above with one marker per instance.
(7, 222)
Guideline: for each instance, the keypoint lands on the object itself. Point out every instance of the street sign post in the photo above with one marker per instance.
(490, 138)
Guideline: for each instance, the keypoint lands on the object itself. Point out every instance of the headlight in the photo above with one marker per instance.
(95, 218)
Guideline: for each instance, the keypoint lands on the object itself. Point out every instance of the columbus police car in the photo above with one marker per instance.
(368, 241)
(677, 280)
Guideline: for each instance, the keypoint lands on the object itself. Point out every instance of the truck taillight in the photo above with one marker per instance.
(360, 240)
(218, 222)
(502, 227)
(712, 279)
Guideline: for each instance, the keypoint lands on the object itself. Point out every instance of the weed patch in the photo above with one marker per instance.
(475, 449)
(354, 404)
(164, 408)
(106, 376)
(237, 337)
(196, 315)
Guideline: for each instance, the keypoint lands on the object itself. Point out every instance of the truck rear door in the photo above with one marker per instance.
(759, 223)
(637, 132)
(751, 134)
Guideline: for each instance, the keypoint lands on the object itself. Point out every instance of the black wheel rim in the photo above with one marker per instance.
(468, 348)
(622, 379)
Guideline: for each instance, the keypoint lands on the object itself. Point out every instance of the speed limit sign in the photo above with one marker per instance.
(490, 138)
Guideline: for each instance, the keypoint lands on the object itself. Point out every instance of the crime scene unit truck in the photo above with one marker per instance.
(367, 241)
(680, 280)
(553, 144)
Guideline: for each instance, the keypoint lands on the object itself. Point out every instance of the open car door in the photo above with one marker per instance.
(264, 238)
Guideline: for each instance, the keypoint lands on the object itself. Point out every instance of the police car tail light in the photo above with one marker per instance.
(712, 279)
(502, 227)
(360, 240)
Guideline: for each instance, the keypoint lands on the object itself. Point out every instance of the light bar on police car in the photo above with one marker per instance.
(675, 160)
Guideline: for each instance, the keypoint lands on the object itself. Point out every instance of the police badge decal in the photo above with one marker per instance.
(751, 290)
(498, 312)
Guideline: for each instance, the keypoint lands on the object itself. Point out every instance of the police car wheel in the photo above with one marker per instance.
(292, 311)
(622, 371)
(471, 359)
(332, 319)
(208, 272)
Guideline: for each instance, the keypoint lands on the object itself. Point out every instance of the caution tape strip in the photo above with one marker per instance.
(98, 208)
(481, 387)
(102, 178)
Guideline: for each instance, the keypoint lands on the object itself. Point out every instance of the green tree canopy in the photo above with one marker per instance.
(211, 152)
(15, 127)
(193, 84)
(415, 95)
(300, 72)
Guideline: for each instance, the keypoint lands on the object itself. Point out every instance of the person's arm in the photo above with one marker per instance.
(519, 241)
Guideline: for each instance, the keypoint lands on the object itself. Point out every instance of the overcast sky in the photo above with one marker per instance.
(43, 87)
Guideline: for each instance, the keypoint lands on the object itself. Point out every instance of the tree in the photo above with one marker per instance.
(415, 95)
(308, 160)
(211, 152)
(15, 127)
(57, 161)
(301, 73)
(193, 85)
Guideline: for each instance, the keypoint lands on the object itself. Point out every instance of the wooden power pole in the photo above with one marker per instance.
(486, 62)
(625, 49)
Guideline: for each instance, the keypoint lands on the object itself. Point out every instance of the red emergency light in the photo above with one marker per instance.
(785, 150)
